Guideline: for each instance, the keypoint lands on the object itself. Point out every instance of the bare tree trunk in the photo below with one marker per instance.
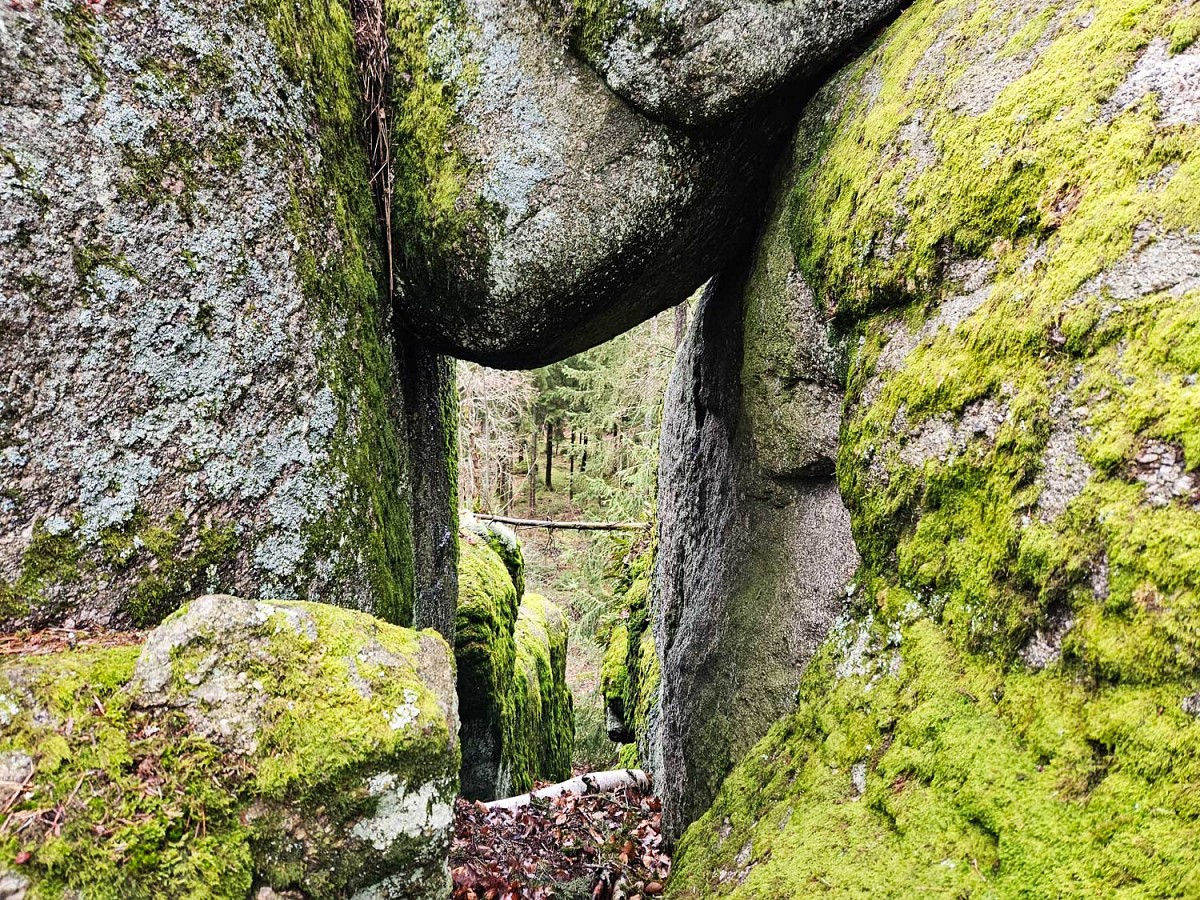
(533, 474)
(583, 459)
(549, 454)
(571, 470)
(681, 323)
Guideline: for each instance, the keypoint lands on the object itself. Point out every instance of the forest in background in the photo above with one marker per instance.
(574, 440)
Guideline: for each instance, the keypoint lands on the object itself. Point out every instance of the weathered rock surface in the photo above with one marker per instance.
(536, 214)
(517, 720)
(754, 545)
(199, 386)
(285, 746)
(698, 62)
(987, 201)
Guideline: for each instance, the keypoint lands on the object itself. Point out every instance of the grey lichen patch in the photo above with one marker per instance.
(169, 310)
(1171, 79)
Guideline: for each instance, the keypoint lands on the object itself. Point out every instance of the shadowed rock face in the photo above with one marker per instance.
(556, 215)
(697, 62)
(754, 545)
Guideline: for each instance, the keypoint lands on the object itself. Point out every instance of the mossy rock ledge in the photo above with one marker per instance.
(998, 205)
(517, 719)
(248, 748)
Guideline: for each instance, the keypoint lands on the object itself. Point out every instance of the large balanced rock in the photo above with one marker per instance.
(754, 545)
(535, 213)
(699, 62)
(517, 720)
(199, 386)
(1004, 204)
(248, 746)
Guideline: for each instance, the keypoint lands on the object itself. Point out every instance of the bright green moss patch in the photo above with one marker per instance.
(130, 798)
(124, 803)
(342, 275)
(914, 769)
(630, 673)
(540, 736)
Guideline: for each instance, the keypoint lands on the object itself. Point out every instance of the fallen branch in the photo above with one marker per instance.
(591, 783)
(577, 526)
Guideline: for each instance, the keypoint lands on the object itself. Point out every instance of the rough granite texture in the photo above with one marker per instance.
(999, 204)
(536, 213)
(247, 746)
(755, 554)
(698, 62)
(199, 390)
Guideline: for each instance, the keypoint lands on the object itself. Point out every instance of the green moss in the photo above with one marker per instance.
(540, 734)
(143, 807)
(974, 782)
(162, 563)
(343, 281)
(433, 223)
(81, 29)
(124, 803)
(629, 674)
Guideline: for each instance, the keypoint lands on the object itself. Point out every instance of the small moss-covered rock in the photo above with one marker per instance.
(289, 745)
(485, 650)
(507, 545)
(540, 737)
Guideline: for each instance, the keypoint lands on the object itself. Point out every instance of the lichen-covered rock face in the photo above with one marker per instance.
(199, 388)
(518, 724)
(1002, 203)
(535, 213)
(754, 557)
(697, 62)
(287, 746)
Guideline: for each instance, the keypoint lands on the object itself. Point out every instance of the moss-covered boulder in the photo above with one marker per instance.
(517, 717)
(246, 745)
(1000, 203)
(541, 738)
(485, 650)
(200, 390)
(507, 545)
(536, 213)
(629, 675)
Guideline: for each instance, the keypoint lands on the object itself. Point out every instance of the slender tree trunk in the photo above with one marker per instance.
(583, 459)
(681, 312)
(549, 454)
(533, 473)
(571, 470)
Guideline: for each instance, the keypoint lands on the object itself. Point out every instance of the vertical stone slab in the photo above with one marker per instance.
(199, 387)
(754, 544)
